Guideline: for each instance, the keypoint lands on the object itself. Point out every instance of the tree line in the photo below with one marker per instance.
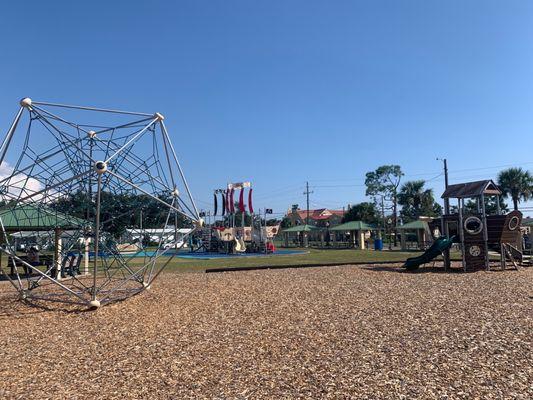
(393, 200)
(119, 211)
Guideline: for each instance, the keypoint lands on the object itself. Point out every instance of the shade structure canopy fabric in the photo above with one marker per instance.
(302, 228)
(354, 226)
(30, 217)
(471, 189)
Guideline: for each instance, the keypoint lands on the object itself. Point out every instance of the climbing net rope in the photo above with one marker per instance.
(90, 213)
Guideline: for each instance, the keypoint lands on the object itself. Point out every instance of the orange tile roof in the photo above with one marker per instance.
(317, 214)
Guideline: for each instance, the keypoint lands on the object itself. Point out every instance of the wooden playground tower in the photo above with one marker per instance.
(477, 232)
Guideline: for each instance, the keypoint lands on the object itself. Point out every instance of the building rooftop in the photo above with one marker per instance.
(319, 214)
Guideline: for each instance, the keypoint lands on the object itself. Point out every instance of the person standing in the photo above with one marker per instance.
(33, 259)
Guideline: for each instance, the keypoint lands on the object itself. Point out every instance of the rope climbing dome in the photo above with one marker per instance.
(68, 174)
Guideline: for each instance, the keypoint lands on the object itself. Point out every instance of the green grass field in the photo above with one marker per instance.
(313, 256)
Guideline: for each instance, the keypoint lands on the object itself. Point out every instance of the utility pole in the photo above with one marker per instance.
(383, 215)
(307, 193)
(446, 201)
(444, 225)
(445, 173)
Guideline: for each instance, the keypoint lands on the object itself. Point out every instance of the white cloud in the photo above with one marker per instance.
(15, 185)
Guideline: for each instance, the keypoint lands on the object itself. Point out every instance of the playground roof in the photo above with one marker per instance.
(471, 189)
(414, 225)
(29, 217)
(302, 228)
(354, 226)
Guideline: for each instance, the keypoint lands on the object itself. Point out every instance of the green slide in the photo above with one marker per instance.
(435, 250)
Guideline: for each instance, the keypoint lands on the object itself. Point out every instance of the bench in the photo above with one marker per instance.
(70, 264)
(44, 260)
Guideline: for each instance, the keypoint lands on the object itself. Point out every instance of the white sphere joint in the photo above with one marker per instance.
(159, 116)
(25, 102)
(91, 134)
(200, 223)
(94, 304)
(175, 192)
(146, 285)
(100, 167)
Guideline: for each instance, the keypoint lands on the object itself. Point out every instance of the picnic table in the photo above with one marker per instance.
(44, 260)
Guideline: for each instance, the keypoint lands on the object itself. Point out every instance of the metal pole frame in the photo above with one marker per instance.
(9, 135)
(69, 144)
(461, 233)
(132, 140)
(150, 195)
(54, 281)
(485, 231)
(43, 103)
(164, 129)
(97, 233)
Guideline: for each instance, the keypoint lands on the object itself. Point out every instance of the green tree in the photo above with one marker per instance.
(120, 211)
(491, 208)
(285, 222)
(237, 217)
(417, 201)
(75, 204)
(517, 184)
(365, 211)
(382, 185)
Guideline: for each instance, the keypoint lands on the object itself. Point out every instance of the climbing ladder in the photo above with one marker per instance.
(207, 240)
(511, 253)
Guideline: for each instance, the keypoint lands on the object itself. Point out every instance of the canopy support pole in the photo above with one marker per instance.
(58, 247)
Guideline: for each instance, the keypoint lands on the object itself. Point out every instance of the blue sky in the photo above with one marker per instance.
(280, 92)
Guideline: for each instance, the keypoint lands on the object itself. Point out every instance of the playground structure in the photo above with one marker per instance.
(59, 183)
(240, 230)
(476, 232)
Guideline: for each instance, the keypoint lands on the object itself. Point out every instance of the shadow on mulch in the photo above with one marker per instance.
(11, 306)
(401, 270)
(4, 278)
(435, 270)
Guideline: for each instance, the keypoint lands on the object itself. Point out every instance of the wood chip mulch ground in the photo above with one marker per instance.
(336, 332)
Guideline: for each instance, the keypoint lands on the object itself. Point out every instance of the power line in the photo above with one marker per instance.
(335, 186)
(415, 174)
(291, 190)
(495, 166)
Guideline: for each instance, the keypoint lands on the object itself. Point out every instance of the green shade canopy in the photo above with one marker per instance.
(27, 217)
(354, 226)
(302, 228)
(414, 225)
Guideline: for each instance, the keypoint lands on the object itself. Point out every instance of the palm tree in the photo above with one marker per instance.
(516, 183)
(416, 201)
